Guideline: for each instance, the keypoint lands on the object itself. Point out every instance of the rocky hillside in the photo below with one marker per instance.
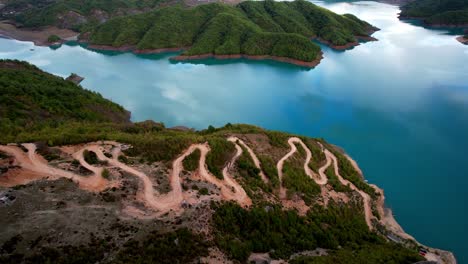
(87, 192)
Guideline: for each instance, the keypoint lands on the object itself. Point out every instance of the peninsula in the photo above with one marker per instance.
(85, 184)
(281, 31)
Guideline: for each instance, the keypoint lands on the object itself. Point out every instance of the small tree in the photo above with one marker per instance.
(53, 39)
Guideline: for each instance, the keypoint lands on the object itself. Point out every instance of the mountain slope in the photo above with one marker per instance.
(88, 192)
(29, 96)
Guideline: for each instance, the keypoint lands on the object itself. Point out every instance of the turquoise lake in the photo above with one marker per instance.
(399, 106)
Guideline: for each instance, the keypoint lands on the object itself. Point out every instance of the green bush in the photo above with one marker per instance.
(53, 39)
(105, 174)
(191, 161)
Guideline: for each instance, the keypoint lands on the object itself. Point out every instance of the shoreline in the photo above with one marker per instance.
(308, 64)
(391, 224)
(182, 58)
(422, 20)
(38, 36)
(462, 40)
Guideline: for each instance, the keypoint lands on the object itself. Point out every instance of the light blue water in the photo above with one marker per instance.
(399, 106)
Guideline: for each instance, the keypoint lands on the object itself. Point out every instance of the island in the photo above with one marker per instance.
(81, 183)
(281, 31)
(437, 13)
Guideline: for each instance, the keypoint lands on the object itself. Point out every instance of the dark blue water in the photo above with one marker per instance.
(399, 106)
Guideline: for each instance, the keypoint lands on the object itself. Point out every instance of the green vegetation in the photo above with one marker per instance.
(271, 229)
(29, 96)
(203, 191)
(318, 157)
(105, 174)
(335, 182)
(438, 12)
(236, 231)
(180, 246)
(269, 168)
(220, 154)
(367, 253)
(348, 172)
(90, 157)
(250, 177)
(191, 161)
(267, 27)
(297, 182)
(53, 39)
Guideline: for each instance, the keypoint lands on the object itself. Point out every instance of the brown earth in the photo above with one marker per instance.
(38, 37)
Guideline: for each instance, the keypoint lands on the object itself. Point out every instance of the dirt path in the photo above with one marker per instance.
(230, 189)
(33, 162)
(366, 198)
(252, 155)
(320, 179)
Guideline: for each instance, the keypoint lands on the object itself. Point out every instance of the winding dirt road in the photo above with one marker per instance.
(33, 162)
(230, 189)
(366, 198)
(320, 179)
(254, 157)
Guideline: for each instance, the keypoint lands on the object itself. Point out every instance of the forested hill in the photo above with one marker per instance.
(71, 14)
(271, 28)
(29, 96)
(438, 12)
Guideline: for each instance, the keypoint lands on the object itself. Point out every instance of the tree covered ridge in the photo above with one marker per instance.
(438, 12)
(267, 27)
(37, 13)
(30, 96)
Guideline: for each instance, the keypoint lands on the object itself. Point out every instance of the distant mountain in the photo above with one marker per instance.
(438, 12)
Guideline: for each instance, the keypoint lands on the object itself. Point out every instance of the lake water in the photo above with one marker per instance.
(399, 106)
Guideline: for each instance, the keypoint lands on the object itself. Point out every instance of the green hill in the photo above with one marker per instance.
(438, 12)
(64, 222)
(267, 27)
(31, 97)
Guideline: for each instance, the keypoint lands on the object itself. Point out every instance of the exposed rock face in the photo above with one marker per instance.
(99, 15)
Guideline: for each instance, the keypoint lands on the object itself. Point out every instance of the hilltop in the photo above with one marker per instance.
(438, 12)
(86, 191)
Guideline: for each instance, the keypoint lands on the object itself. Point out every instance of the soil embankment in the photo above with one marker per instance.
(39, 37)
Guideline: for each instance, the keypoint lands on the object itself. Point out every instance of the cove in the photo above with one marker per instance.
(399, 106)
